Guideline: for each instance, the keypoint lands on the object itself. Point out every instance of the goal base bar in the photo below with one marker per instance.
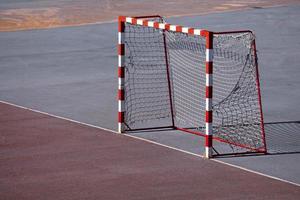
(215, 154)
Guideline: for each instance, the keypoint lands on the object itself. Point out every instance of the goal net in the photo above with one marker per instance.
(165, 81)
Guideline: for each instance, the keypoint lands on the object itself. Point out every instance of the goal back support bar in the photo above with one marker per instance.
(209, 39)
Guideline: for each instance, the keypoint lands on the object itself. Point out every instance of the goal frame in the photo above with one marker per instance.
(208, 134)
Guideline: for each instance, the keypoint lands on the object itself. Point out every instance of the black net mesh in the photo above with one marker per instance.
(236, 108)
(187, 68)
(147, 99)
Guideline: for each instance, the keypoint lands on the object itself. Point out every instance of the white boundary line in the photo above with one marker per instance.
(149, 141)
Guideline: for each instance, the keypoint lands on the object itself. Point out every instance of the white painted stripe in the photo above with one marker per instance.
(209, 55)
(197, 31)
(139, 22)
(121, 83)
(208, 152)
(129, 20)
(208, 105)
(150, 23)
(121, 61)
(120, 127)
(185, 29)
(208, 128)
(209, 80)
(149, 141)
(121, 106)
(162, 26)
(121, 38)
(173, 27)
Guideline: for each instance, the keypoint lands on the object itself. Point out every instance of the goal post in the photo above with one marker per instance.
(165, 80)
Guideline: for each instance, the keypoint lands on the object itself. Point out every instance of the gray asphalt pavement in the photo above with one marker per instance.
(72, 72)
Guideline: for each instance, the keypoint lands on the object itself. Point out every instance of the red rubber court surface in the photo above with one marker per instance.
(43, 157)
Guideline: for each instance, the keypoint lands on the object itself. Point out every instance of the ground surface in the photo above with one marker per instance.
(71, 72)
(32, 14)
(43, 157)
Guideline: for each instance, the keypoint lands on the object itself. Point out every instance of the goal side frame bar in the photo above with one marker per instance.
(208, 134)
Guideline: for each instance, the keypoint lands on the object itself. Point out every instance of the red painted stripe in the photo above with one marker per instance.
(209, 67)
(145, 22)
(121, 72)
(156, 25)
(134, 21)
(121, 95)
(204, 33)
(121, 49)
(208, 92)
(209, 40)
(208, 140)
(191, 31)
(208, 116)
(121, 26)
(178, 28)
(122, 18)
(167, 27)
(121, 117)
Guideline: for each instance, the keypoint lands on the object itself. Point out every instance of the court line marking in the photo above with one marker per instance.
(149, 141)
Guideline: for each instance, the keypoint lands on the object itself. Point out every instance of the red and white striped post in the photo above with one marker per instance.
(121, 73)
(208, 94)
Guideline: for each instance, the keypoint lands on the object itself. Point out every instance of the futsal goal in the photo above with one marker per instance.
(196, 81)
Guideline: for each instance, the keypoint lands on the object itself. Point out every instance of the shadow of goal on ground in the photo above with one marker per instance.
(283, 137)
